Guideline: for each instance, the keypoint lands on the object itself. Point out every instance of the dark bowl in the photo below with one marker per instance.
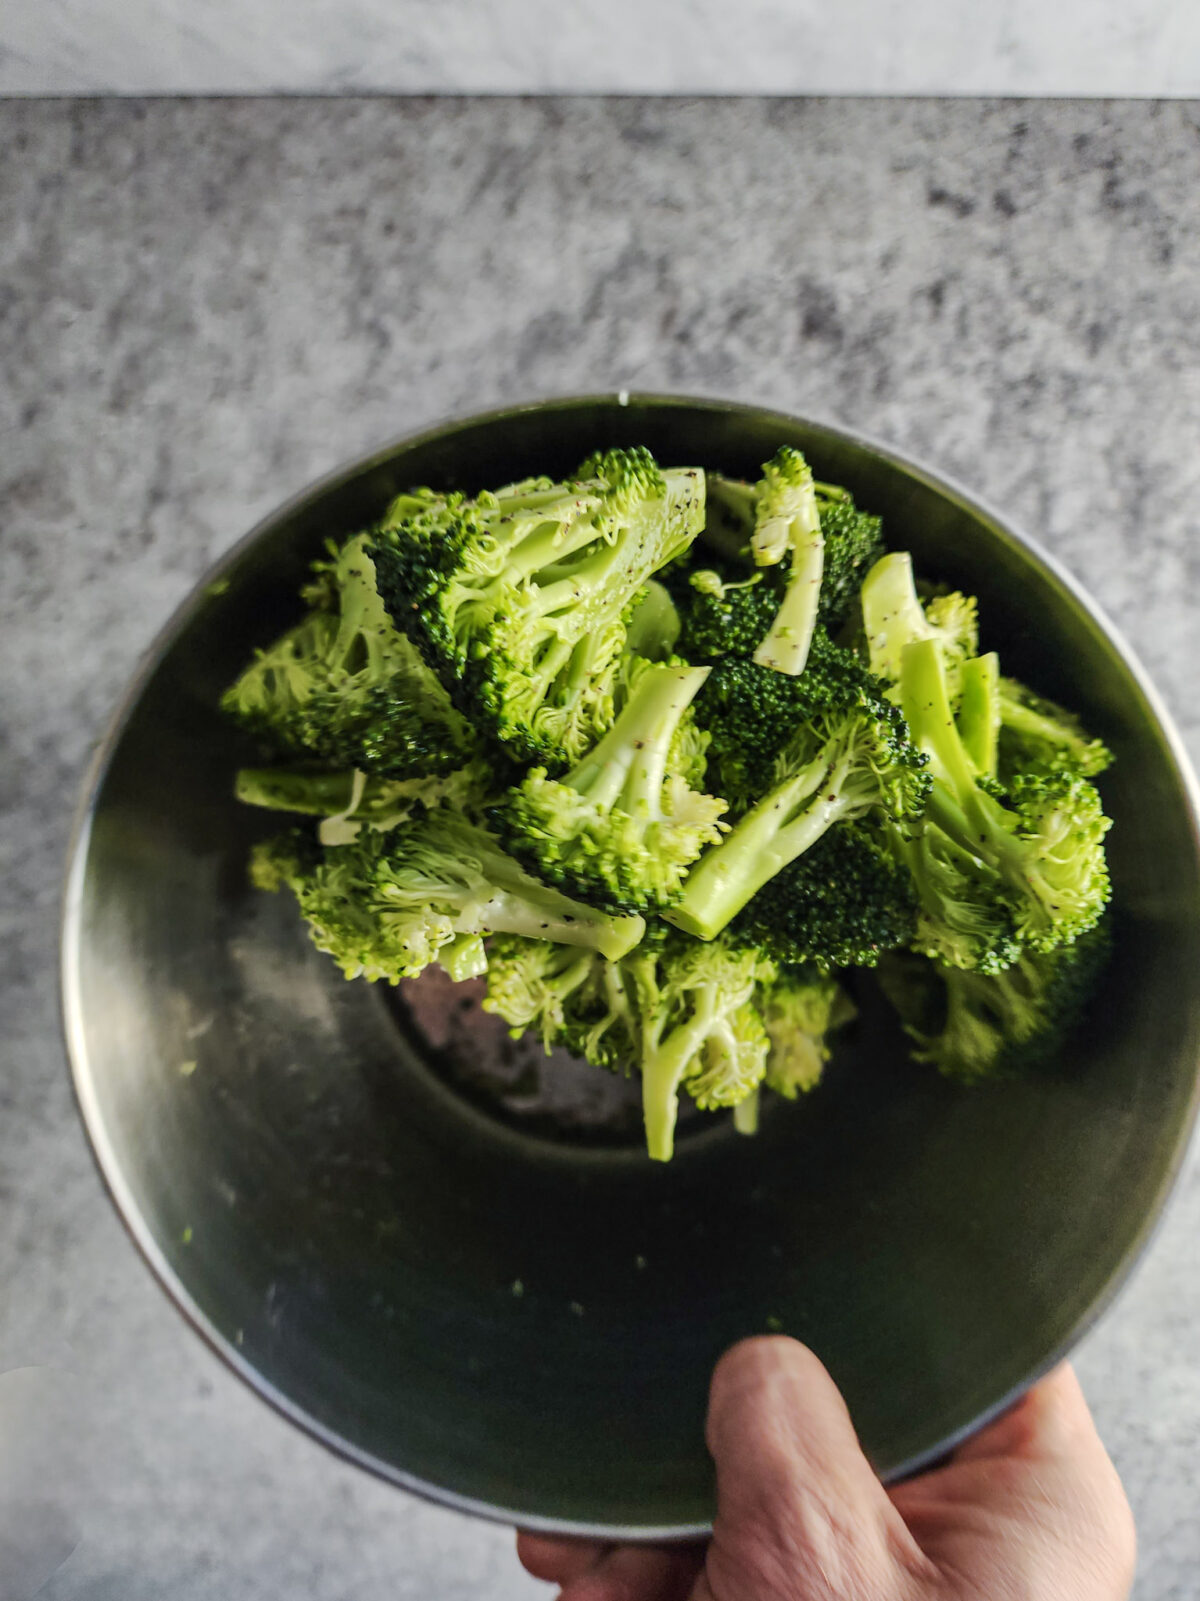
(489, 1295)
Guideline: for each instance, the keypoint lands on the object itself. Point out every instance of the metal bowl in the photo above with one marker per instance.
(484, 1294)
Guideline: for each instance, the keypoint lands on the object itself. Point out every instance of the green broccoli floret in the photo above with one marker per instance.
(800, 1010)
(621, 828)
(853, 544)
(787, 524)
(520, 598)
(972, 1026)
(841, 904)
(697, 1028)
(965, 914)
(529, 982)
(346, 688)
(1037, 734)
(847, 756)
(724, 611)
(348, 802)
(387, 905)
(1041, 841)
(894, 617)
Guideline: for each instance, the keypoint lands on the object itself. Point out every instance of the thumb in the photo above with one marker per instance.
(800, 1512)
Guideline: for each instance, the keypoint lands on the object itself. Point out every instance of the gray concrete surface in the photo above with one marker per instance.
(203, 305)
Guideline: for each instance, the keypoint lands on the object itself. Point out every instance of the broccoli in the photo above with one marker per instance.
(787, 522)
(387, 905)
(349, 802)
(1042, 838)
(723, 611)
(654, 624)
(1037, 734)
(729, 515)
(974, 1026)
(346, 688)
(520, 599)
(841, 904)
(848, 755)
(621, 828)
(853, 544)
(800, 1010)
(894, 617)
(978, 716)
(965, 915)
(697, 1027)
(529, 982)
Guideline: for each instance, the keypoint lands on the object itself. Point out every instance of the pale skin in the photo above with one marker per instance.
(1029, 1509)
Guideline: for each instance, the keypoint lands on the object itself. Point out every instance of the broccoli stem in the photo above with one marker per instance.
(979, 711)
(629, 764)
(783, 825)
(315, 794)
(745, 1114)
(664, 1063)
(925, 702)
(539, 912)
(786, 643)
(892, 613)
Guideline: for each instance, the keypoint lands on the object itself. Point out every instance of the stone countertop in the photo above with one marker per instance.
(1076, 47)
(205, 304)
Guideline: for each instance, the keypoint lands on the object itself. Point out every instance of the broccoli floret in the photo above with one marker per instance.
(853, 543)
(751, 712)
(697, 1027)
(529, 982)
(1042, 839)
(622, 826)
(349, 802)
(894, 617)
(841, 904)
(964, 912)
(847, 755)
(724, 611)
(520, 598)
(972, 1026)
(787, 523)
(346, 688)
(800, 1010)
(387, 905)
(1037, 734)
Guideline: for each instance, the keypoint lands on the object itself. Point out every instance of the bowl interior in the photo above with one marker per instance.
(525, 1324)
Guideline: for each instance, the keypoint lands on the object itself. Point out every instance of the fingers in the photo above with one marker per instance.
(1049, 1421)
(590, 1570)
(798, 1502)
(557, 1560)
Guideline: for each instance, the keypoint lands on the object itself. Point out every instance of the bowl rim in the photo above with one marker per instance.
(74, 1035)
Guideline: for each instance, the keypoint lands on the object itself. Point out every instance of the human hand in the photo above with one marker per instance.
(1029, 1509)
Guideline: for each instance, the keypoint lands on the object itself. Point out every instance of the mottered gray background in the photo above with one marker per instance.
(205, 304)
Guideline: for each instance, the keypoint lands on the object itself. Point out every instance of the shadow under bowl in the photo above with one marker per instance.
(517, 1313)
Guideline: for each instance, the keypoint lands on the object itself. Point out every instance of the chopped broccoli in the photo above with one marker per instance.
(622, 827)
(723, 611)
(1042, 839)
(853, 543)
(787, 522)
(529, 982)
(346, 688)
(349, 802)
(729, 515)
(979, 711)
(800, 1011)
(654, 624)
(520, 598)
(848, 756)
(1037, 734)
(387, 905)
(974, 1026)
(841, 904)
(894, 617)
